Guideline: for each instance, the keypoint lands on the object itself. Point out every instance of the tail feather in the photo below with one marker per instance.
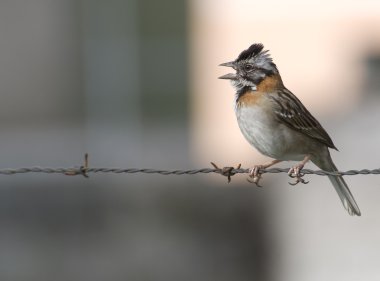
(340, 186)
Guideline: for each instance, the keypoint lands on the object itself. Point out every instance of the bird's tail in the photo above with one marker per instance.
(340, 186)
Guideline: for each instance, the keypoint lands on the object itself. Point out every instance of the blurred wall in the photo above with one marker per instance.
(41, 109)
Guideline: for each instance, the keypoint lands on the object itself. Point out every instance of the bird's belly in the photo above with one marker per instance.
(267, 135)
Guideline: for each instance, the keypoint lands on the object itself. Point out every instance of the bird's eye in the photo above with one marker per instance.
(248, 67)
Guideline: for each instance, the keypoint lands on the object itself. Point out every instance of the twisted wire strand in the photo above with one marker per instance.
(87, 170)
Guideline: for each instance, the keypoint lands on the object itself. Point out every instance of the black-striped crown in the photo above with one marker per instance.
(252, 51)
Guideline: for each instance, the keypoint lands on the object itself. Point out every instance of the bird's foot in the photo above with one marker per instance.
(295, 172)
(254, 173)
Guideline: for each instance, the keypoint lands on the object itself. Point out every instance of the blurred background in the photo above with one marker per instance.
(134, 84)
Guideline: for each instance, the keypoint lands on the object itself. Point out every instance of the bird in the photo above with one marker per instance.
(274, 121)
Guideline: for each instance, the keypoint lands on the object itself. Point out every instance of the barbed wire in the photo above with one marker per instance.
(225, 171)
(79, 171)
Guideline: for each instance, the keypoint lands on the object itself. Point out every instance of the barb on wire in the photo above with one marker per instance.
(85, 170)
(226, 171)
(82, 170)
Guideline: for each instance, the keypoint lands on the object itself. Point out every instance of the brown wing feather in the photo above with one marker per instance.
(293, 113)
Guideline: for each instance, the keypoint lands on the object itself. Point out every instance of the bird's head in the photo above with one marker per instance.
(252, 66)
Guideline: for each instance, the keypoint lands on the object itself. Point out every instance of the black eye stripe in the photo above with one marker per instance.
(249, 67)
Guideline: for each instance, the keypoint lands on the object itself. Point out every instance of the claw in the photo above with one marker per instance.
(295, 173)
(255, 174)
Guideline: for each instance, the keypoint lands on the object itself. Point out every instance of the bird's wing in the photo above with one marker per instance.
(290, 111)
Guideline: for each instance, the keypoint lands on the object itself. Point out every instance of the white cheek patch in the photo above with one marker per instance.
(241, 83)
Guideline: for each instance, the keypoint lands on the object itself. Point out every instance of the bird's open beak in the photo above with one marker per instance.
(230, 76)
(228, 64)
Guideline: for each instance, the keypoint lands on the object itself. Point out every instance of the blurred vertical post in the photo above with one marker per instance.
(163, 69)
(111, 79)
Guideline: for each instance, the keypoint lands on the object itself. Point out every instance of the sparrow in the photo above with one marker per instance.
(277, 124)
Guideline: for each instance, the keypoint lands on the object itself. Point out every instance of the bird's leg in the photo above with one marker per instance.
(255, 171)
(295, 171)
